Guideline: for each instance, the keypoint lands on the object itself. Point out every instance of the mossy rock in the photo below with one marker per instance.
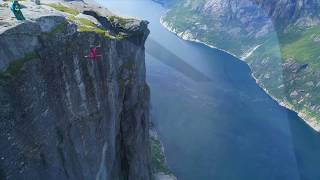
(120, 20)
(85, 25)
(15, 67)
(59, 28)
(62, 8)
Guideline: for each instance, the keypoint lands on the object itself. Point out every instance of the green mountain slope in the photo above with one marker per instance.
(279, 40)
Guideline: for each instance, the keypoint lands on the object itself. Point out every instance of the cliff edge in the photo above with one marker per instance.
(63, 116)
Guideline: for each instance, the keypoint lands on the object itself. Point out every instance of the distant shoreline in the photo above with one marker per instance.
(309, 120)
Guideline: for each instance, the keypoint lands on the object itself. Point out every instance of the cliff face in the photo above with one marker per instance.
(282, 13)
(232, 25)
(63, 116)
(288, 12)
(278, 39)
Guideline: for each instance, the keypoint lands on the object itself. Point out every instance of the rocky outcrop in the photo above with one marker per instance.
(63, 116)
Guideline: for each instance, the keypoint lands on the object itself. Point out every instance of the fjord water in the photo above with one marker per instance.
(214, 120)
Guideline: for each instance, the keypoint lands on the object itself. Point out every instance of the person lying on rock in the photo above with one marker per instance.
(93, 53)
(16, 9)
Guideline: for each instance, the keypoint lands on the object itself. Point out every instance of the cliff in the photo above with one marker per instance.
(278, 39)
(63, 116)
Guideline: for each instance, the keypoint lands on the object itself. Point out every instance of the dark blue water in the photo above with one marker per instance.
(215, 122)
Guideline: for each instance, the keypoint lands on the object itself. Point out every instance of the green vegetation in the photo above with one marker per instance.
(269, 48)
(15, 67)
(315, 115)
(270, 62)
(303, 46)
(86, 22)
(183, 18)
(85, 25)
(81, 21)
(157, 157)
(121, 36)
(102, 32)
(122, 21)
(59, 28)
(62, 8)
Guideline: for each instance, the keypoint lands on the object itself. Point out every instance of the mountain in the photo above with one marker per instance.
(278, 39)
(288, 12)
(63, 116)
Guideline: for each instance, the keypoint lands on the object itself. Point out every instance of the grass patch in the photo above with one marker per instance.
(85, 25)
(120, 20)
(59, 28)
(81, 21)
(102, 32)
(269, 48)
(121, 36)
(301, 46)
(62, 8)
(87, 22)
(15, 67)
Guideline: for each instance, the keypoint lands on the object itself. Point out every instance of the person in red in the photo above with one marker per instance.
(93, 53)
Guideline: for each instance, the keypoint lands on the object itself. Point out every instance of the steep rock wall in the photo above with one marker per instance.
(63, 116)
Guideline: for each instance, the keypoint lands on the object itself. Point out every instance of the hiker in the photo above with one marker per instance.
(93, 53)
(16, 9)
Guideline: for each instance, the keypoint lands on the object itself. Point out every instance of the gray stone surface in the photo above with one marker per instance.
(63, 116)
